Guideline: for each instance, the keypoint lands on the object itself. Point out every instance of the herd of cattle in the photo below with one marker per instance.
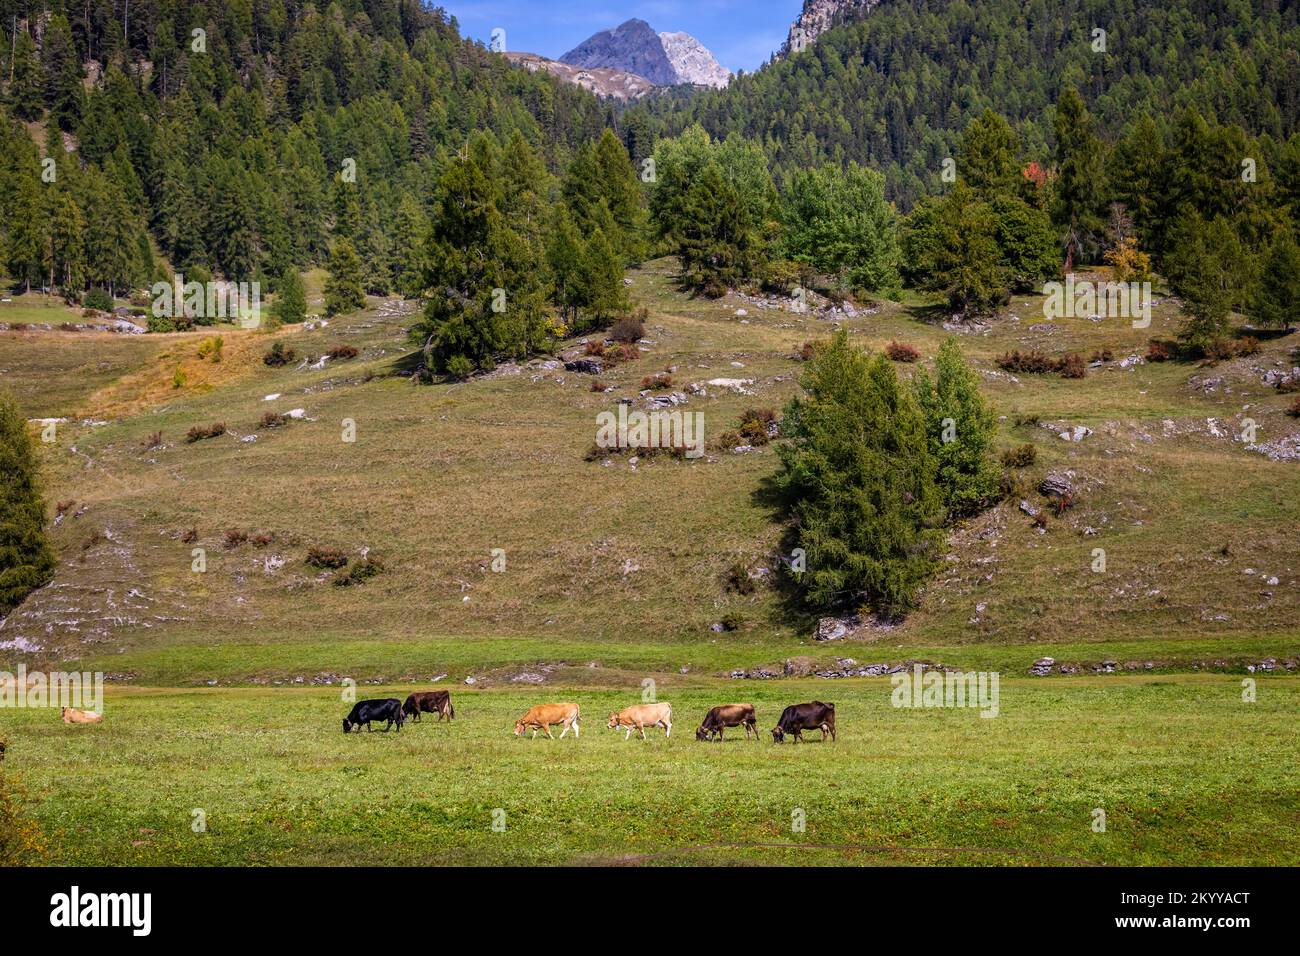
(794, 719)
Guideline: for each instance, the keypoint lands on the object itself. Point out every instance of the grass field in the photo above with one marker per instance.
(1186, 773)
(615, 574)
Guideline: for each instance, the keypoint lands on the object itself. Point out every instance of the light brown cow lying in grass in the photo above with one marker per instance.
(544, 716)
(640, 716)
(73, 716)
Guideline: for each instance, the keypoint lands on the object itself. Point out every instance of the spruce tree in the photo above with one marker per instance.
(961, 427)
(290, 304)
(26, 559)
(600, 278)
(988, 156)
(63, 90)
(1078, 210)
(858, 479)
(343, 290)
(1277, 294)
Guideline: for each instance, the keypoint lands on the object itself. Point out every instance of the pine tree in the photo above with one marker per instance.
(961, 427)
(1277, 294)
(960, 256)
(600, 278)
(343, 290)
(564, 256)
(63, 90)
(1206, 270)
(26, 560)
(988, 156)
(27, 92)
(858, 479)
(716, 238)
(409, 241)
(67, 256)
(1078, 207)
(290, 299)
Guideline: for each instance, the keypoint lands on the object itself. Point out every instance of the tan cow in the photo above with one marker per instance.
(640, 716)
(73, 716)
(544, 716)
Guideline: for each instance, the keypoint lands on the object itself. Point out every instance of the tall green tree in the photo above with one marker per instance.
(858, 480)
(63, 90)
(1277, 294)
(1079, 200)
(961, 428)
(290, 299)
(343, 288)
(26, 559)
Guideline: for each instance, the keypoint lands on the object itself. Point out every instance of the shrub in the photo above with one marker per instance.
(234, 538)
(1159, 350)
(1073, 366)
(210, 348)
(657, 382)
(755, 425)
(1032, 361)
(26, 559)
(190, 536)
(806, 351)
(738, 580)
(63, 506)
(630, 328)
(262, 539)
(596, 349)
(342, 352)
(363, 570)
(620, 352)
(1102, 355)
(1030, 421)
(199, 432)
(1288, 385)
(597, 385)
(153, 441)
(902, 352)
(271, 420)
(326, 558)
(97, 299)
(1294, 410)
(713, 288)
(733, 621)
(1022, 456)
(278, 355)
(179, 378)
(460, 367)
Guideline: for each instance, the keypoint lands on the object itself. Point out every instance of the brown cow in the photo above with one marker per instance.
(429, 702)
(544, 716)
(73, 716)
(640, 716)
(728, 715)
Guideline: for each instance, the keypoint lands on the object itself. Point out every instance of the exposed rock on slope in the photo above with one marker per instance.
(602, 81)
(632, 47)
(692, 62)
(818, 16)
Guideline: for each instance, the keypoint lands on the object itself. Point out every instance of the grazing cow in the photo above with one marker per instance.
(429, 702)
(389, 709)
(73, 716)
(728, 715)
(544, 716)
(800, 717)
(640, 716)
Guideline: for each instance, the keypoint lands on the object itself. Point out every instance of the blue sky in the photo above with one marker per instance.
(742, 34)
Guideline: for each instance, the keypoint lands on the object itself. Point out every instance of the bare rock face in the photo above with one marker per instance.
(818, 16)
(633, 47)
(692, 62)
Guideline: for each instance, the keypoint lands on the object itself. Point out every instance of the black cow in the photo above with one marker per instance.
(800, 717)
(429, 702)
(389, 709)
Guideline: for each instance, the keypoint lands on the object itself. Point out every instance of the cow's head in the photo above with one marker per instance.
(347, 725)
(410, 706)
(613, 721)
(778, 735)
(519, 727)
(702, 733)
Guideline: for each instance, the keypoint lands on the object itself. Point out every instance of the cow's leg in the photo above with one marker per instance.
(565, 730)
(548, 732)
(641, 730)
(628, 735)
(668, 728)
(576, 728)
(720, 729)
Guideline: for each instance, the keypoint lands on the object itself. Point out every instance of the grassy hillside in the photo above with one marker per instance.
(614, 565)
